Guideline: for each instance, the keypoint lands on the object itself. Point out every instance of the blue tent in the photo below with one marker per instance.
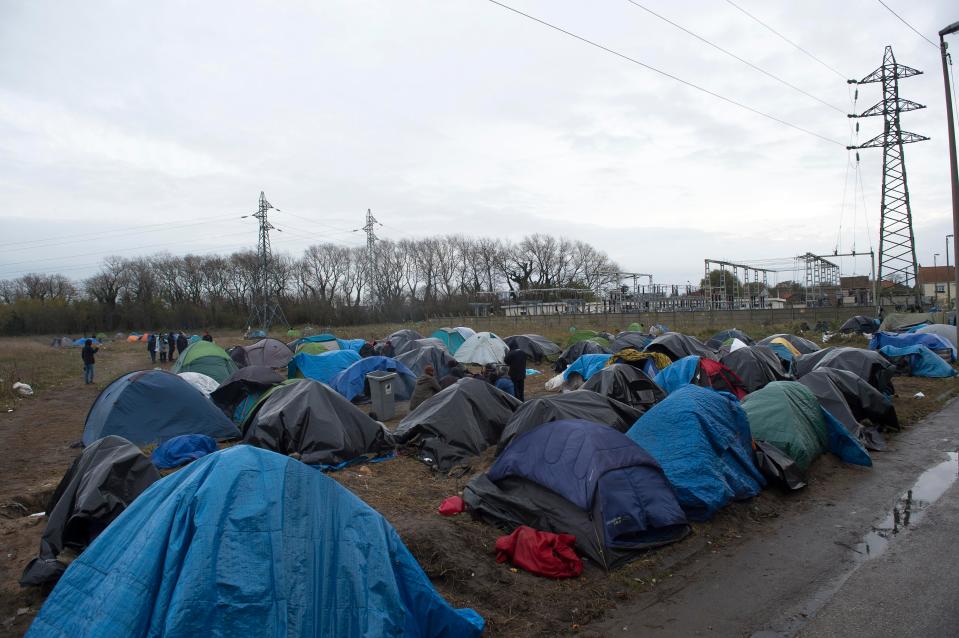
(247, 542)
(351, 344)
(923, 362)
(701, 438)
(453, 338)
(321, 367)
(151, 406)
(181, 450)
(351, 382)
(83, 340)
(678, 374)
(931, 341)
(587, 365)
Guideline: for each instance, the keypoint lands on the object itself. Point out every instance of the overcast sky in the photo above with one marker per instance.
(133, 127)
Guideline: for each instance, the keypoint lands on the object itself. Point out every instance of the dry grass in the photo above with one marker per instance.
(34, 362)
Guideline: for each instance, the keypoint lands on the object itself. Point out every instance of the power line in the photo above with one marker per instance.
(831, 68)
(669, 75)
(903, 20)
(736, 57)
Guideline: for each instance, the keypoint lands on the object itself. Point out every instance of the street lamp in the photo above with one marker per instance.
(935, 262)
(948, 286)
(953, 168)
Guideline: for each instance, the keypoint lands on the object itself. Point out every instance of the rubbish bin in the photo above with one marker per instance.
(381, 394)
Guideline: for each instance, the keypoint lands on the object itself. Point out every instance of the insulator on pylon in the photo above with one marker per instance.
(857, 157)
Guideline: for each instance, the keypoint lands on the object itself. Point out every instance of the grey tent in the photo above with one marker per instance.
(251, 380)
(859, 324)
(627, 384)
(400, 338)
(577, 350)
(943, 330)
(629, 339)
(271, 353)
(868, 365)
(756, 366)
(413, 344)
(536, 347)
(106, 477)
(418, 358)
(676, 346)
(314, 421)
(238, 354)
(897, 322)
(461, 421)
(578, 404)
(804, 346)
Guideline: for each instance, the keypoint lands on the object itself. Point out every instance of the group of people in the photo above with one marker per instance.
(509, 377)
(167, 345)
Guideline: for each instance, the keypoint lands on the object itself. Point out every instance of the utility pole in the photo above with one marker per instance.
(897, 249)
(370, 230)
(266, 307)
(953, 168)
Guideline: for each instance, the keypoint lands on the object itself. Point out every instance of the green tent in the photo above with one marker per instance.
(788, 415)
(634, 327)
(317, 347)
(586, 335)
(896, 322)
(206, 358)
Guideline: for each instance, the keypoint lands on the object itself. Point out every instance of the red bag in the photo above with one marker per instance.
(452, 505)
(540, 553)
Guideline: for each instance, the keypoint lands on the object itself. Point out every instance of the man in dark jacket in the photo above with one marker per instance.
(207, 336)
(171, 342)
(426, 386)
(516, 360)
(151, 347)
(87, 354)
(182, 343)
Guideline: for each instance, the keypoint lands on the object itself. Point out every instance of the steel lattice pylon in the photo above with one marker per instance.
(266, 307)
(897, 249)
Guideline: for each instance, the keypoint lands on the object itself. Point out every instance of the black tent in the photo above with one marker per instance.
(868, 365)
(239, 356)
(635, 340)
(851, 399)
(243, 382)
(756, 366)
(314, 421)
(732, 333)
(626, 384)
(400, 338)
(461, 421)
(578, 404)
(676, 346)
(859, 324)
(415, 344)
(536, 347)
(99, 485)
(804, 346)
(417, 359)
(577, 350)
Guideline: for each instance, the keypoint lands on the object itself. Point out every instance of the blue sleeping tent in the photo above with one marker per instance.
(923, 362)
(181, 450)
(151, 406)
(678, 374)
(321, 367)
(352, 381)
(932, 341)
(701, 438)
(247, 542)
(587, 365)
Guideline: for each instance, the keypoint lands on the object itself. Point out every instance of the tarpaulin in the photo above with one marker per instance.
(922, 362)
(540, 553)
(182, 449)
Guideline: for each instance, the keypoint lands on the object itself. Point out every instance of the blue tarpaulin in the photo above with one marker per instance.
(350, 344)
(678, 374)
(182, 449)
(351, 382)
(701, 439)
(321, 367)
(931, 341)
(923, 362)
(587, 365)
(246, 542)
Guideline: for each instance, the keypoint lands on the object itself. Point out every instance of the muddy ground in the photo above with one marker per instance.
(457, 553)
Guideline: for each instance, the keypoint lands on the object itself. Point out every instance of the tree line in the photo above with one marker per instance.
(329, 284)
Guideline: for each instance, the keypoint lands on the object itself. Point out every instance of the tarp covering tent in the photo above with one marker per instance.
(851, 400)
(626, 384)
(799, 344)
(578, 404)
(207, 358)
(271, 353)
(151, 406)
(536, 347)
(482, 348)
(312, 420)
(425, 342)
(629, 339)
(676, 346)
(723, 336)
(106, 477)
(899, 322)
(859, 324)
(755, 366)
(246, 542)
(400, 338)
(318, 338)
(200, 381)
(701, 439)
(317, 347)
(700, 371)
(453, 338)
(868, 364)
(788, 415)
(577, 350)
(583, 335)
(943, 330)
(351, 382)
(940, 345)
(649, 362)
(238, 354)
(919, 361)
(458, 422)
(586, 365)
(585, 479)
(323, 366)
(181, 450)
(243, 388)
(417, 360)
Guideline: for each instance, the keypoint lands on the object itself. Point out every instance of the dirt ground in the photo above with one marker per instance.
(457, 553)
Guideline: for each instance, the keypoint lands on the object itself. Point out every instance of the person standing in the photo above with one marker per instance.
(426, 386)
(152, 347)
(171, 346)
(516, 360)
(207, 336)
(87, 354)
(162, 346)
(182, 343)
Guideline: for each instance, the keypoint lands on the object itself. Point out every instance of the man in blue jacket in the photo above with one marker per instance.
(87, 354)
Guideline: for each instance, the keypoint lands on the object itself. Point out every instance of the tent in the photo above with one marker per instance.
(788, 415)
(151, 406)
(943, 330)
(868, 364)
(319, 338)
(482, 348)
(585, 479)
(238, 354)
(400, 338)
(207, 358)
(918, 361)
(584, 335)
(317, 347)
(700, 371)
(453, 338)
(458, 422)
(797, 345)
(859, 324)
(245, 542)
(900, 322)
(351, 382)
(106, 477)
(321, 367)
(587, 365)
(575, 351)
(649, 362)
(312, 420)
(425, 342)
(200, 381)
(626, 384)
(239, 392)
(724, 336)
(536, 347)
(271, 353)
(940, 345)
(417, 360)
(676, 346)
(851, 400)
(585, 405)
(181, 450)
(701, 439)
(629, 339)
(755, 366)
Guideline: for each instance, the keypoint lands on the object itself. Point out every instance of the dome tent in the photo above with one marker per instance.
(323, 366)
(676, 346)
(200, 381)
(536, 347)
(400, 338)
(271, 353)
(416, 344)
(417, 360)
(482, 348)
(453, 338)
(207, 358)
(756, 366)
(151, 406)
(627, 384)
(237, 395)
(575, 351)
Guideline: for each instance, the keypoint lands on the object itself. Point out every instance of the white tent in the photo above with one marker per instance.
(200, 381)
(482, 348)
